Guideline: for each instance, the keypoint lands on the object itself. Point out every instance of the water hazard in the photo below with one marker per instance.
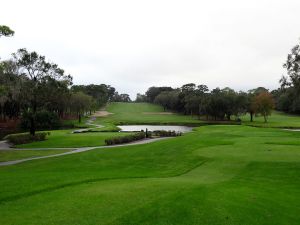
(132, 128)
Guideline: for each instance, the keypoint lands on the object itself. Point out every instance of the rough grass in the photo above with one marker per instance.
(9, 155)
(214, 175)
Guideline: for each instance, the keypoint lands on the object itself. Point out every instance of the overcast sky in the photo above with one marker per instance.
(136, 44)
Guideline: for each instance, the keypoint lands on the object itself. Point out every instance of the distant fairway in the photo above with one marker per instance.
(143, 113)
(214, 175)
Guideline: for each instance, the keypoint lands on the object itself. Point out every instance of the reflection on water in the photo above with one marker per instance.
(182, 129)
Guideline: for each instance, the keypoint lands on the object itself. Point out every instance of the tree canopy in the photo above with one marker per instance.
(5, 31)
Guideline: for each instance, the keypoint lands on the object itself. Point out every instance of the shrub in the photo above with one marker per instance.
(18, 139)
(164, 133)
(43, 119)
(125, 139)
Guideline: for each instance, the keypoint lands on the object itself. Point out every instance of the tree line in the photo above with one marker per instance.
(217, 104)
(40, 94)
(223, 104)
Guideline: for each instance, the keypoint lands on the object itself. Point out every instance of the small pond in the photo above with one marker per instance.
(131, 128)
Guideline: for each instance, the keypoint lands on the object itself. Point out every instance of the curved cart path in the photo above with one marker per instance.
(90, 122)
(77, 150)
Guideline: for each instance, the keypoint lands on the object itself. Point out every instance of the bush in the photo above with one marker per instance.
(238, 120)
(125, 139)
(43, 119)
(18, 139)
(164, 133)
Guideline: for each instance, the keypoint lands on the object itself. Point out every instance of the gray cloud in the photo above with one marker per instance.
(136, 44)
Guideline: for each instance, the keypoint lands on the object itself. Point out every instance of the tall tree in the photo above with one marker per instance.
(152, 92)
(38, 71)
(264, 104)
(292, 65)
(288, 96)
(81, 103)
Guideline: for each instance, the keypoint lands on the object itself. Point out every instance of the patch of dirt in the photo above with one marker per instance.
(158, 113)
(101, 113)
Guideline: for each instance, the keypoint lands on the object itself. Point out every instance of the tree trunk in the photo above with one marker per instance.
(265, 117)
(228, 117)
(34, 109)
(32, 121)
(32, 125)
(79, 118)
(251, 116)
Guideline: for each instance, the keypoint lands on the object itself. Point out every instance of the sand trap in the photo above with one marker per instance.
(158, 113)
(101, 113)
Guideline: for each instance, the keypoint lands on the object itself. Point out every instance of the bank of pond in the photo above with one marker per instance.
(136, 128)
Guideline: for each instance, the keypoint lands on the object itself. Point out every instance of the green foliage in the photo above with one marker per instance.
(168, 99)
(6, 31)
(44, 120)
(152, 92)
(81, 103)
(125, 139)
(164, 133)
(197, 100)
(140, 98)
(101, 93)
(264, 104)
(120, 97)
(288, 96)
(40, 74)
(18, 139)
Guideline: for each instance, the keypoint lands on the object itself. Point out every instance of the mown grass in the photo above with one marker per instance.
(144, 113)
(66, 139)
(9, 155)
(277, 119)
(214, 175)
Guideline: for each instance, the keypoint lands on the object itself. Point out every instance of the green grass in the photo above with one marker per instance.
(66, 139)
(9, 155)
(143, 113)
(277, 119)
(214, 175)
(107, 127)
